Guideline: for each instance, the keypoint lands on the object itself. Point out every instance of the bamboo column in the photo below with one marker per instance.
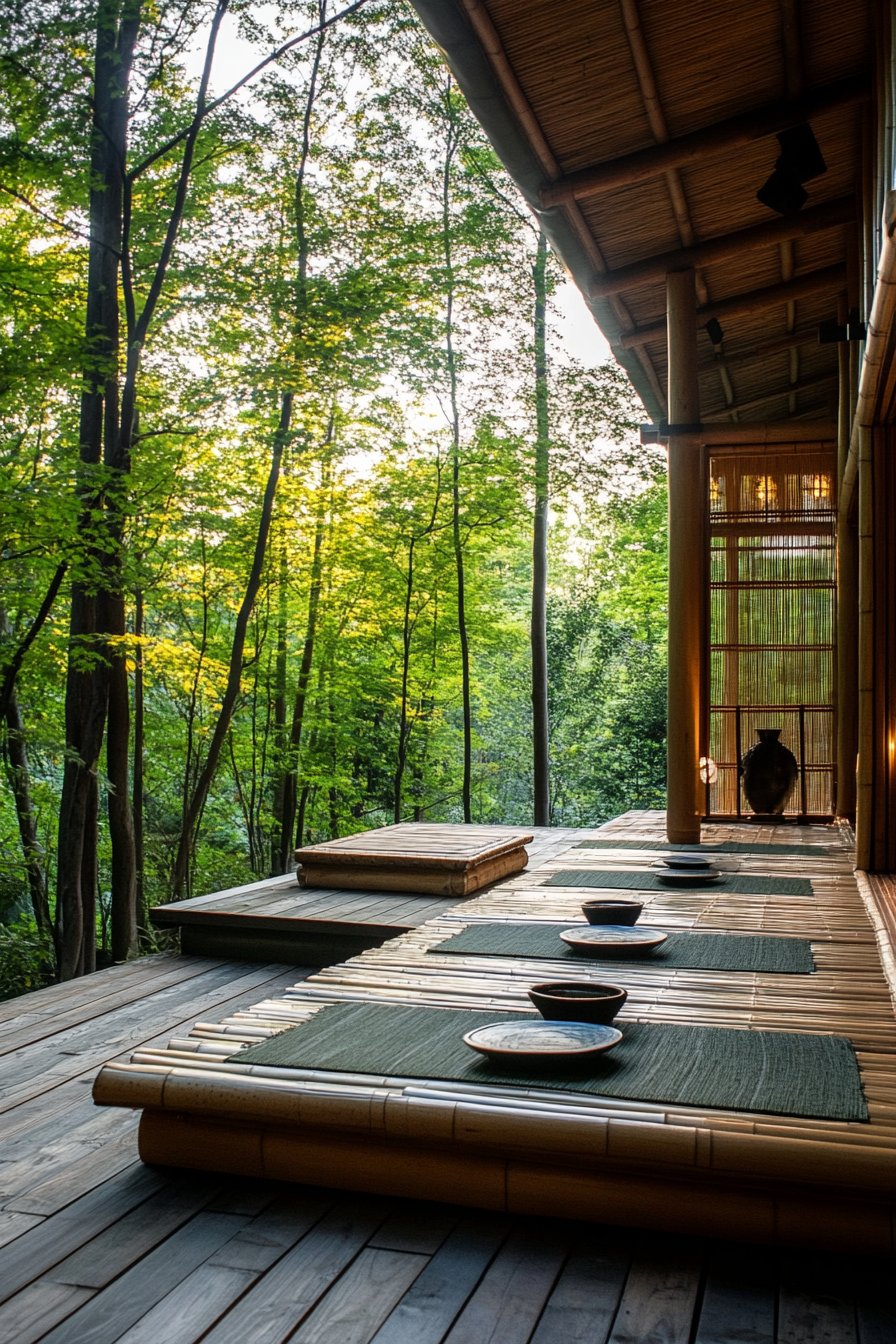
(687, 564)
(847, 604)
(865, 767)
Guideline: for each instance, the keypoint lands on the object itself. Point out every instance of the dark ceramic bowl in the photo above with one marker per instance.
(577, 1001)
(612, 912)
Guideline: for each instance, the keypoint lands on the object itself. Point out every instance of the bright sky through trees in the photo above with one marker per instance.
(275, 445)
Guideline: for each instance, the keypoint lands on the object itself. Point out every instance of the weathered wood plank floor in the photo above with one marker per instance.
(97, 1248)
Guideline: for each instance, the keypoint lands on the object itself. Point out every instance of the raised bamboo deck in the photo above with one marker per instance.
(770, 1179)
(96, 1247)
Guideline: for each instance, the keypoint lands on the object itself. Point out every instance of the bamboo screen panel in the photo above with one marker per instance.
(772, 620)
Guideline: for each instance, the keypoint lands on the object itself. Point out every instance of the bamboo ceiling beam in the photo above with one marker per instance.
(832, 278)
(631, 21)
(653, 269)
(792, 52)
(655, 160)
(791, 389)
(765, 433)
(487, 33)
(805, 336)
(644, 70)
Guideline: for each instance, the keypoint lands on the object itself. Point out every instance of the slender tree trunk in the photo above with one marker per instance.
(139, 768)
(450, 151)
(281, 740)
(541, 758)
(289, 836)
(196, 803)
(289, 758)
(121, 823)
(87, 688)
(303, 808)
(301, 702)
(405, 670)
(19, 778)
(404, 726)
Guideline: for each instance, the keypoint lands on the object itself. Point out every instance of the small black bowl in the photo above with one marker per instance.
(612, 912)
(577, 1001)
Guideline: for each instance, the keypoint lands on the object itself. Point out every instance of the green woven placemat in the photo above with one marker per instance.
(738, 885)
(685, 951)
(723, 847)
(777, 1073)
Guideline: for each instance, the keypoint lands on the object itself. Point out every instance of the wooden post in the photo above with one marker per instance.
(865, 767)
(687, 564)
(847, 605)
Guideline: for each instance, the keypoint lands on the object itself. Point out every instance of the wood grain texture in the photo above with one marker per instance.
(585, 1300)
(660, 1294)
(135, 1256)
(506, 1306)
(426, 1312)
(362, 1298)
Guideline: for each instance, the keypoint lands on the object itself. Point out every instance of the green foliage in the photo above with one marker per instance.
(25, 958)
(332, 269)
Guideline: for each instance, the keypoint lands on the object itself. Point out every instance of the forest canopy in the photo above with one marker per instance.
(311, 520)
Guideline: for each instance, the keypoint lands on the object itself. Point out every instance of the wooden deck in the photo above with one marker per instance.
(97, 1247)
(279, 920)
(772, 1178)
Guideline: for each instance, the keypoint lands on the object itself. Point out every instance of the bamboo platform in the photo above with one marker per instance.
(97, 1246)
(280, 920)
(767, 1179)
(433, 858)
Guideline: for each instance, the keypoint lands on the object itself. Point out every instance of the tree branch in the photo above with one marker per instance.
(217, 102)
(9, 677)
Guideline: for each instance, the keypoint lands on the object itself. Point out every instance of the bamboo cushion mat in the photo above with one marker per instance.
(777, 1073)
(723, 847)
(685, 951)
(627, 881)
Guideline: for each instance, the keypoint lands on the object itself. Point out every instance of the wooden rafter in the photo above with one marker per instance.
(830, 278)
(488, 36)
(645, 164)
(806, 385)
(653, 269)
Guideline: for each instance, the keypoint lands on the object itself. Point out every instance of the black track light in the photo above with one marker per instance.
(714, 331)
(799, 161)
(783, 194)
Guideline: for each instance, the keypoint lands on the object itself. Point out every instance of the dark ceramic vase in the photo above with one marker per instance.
(770, 772)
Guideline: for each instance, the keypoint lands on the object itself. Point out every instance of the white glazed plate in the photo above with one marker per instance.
(502, 1040)
(613, 940)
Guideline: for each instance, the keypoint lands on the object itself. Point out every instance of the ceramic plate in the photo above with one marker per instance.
(684, 861)
(687, 877)
(613, 940)
(502, 1040)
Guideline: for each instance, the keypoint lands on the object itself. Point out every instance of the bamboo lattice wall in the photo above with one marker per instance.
(772, 620)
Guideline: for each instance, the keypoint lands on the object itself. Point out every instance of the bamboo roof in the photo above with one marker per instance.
(575, 85)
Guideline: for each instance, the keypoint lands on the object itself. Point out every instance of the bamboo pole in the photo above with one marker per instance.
(652, 269)
(646, 164)
(687, 579)
(805, 385)
(847, 603)
(745, 305)
(865, 766)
